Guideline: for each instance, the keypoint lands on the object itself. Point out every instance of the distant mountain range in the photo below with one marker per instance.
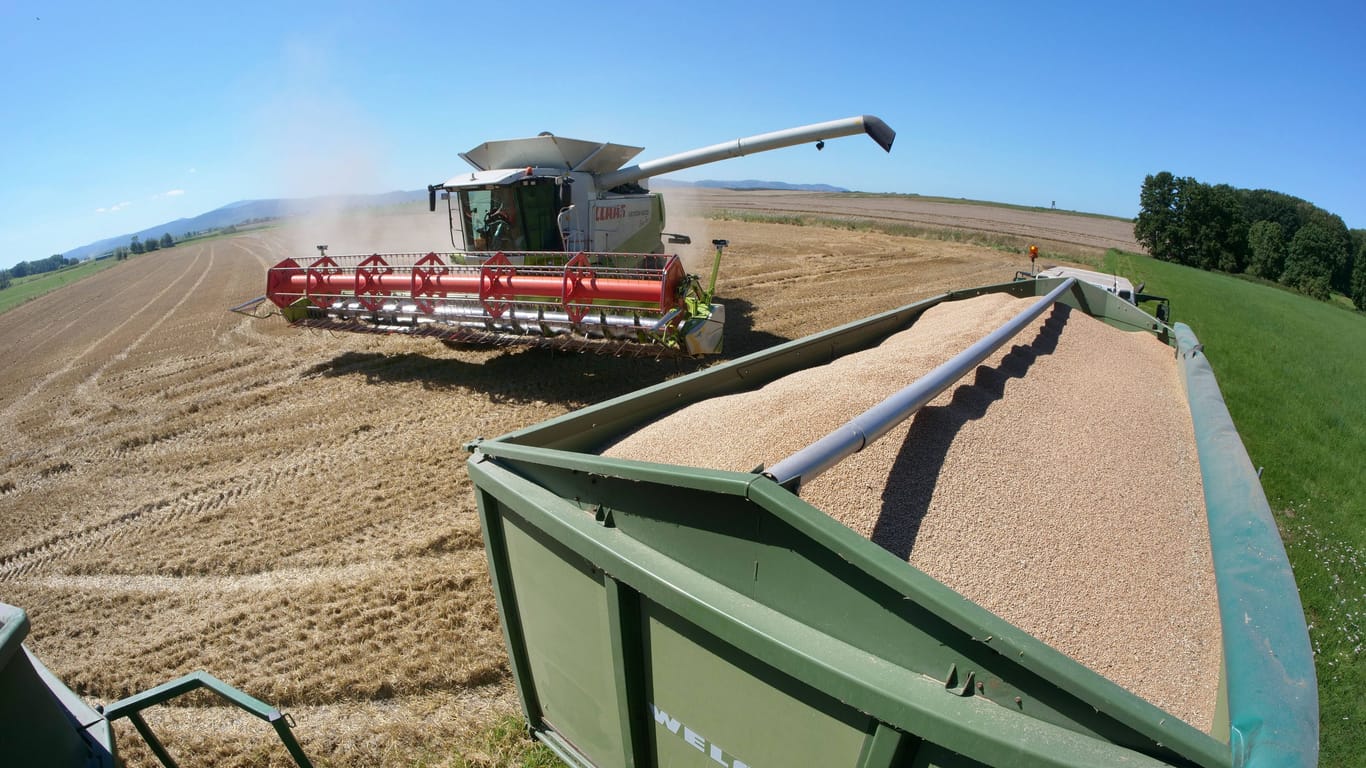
(244, 211)
(747, 184)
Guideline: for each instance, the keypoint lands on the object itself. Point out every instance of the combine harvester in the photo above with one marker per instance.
(560, 246)
(663, 614)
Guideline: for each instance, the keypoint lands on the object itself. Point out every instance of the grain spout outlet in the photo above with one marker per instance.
(816, 134)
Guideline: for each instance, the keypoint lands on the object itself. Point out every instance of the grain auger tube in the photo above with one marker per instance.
(556, 244)
(856, 434)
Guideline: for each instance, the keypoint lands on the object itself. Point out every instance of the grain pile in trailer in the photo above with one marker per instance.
(1059, 487)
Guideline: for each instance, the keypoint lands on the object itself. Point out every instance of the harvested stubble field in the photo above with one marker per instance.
(1052, 230)
(184, 488)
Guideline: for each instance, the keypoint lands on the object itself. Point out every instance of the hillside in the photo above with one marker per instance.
(244, 211)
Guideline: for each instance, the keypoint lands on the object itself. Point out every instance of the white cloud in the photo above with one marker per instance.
(169, 193)
(114, 208)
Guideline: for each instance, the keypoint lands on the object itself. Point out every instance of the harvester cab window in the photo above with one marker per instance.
(539, 205)
(491, 219)
(514, 218)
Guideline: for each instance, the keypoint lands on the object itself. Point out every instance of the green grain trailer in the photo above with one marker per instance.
(675, 616)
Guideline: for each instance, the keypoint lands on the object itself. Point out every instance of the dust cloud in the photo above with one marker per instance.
(685, 214)
(316, 145)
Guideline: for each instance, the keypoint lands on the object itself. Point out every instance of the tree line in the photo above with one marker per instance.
(36, 267)
(57, 261)
(1259, 232)
(137, 246)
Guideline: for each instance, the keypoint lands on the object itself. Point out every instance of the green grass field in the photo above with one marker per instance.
(1293, 372)
(32, 286)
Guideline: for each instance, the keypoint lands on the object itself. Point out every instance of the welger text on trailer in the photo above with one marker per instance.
(696, 740)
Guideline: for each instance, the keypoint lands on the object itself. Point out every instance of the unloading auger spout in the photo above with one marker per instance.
(879, 131)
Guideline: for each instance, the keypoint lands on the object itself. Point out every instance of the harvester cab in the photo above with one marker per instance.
(556, 244)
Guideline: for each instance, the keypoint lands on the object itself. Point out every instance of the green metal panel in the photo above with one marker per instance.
(505, 595)
(711, 706)
(34, 728)
(934, 756)
(563, 612)
(626, 619)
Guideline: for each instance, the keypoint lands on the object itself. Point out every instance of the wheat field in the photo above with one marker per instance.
(185, 488)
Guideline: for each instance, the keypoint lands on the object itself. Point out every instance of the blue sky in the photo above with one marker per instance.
(123, 116)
